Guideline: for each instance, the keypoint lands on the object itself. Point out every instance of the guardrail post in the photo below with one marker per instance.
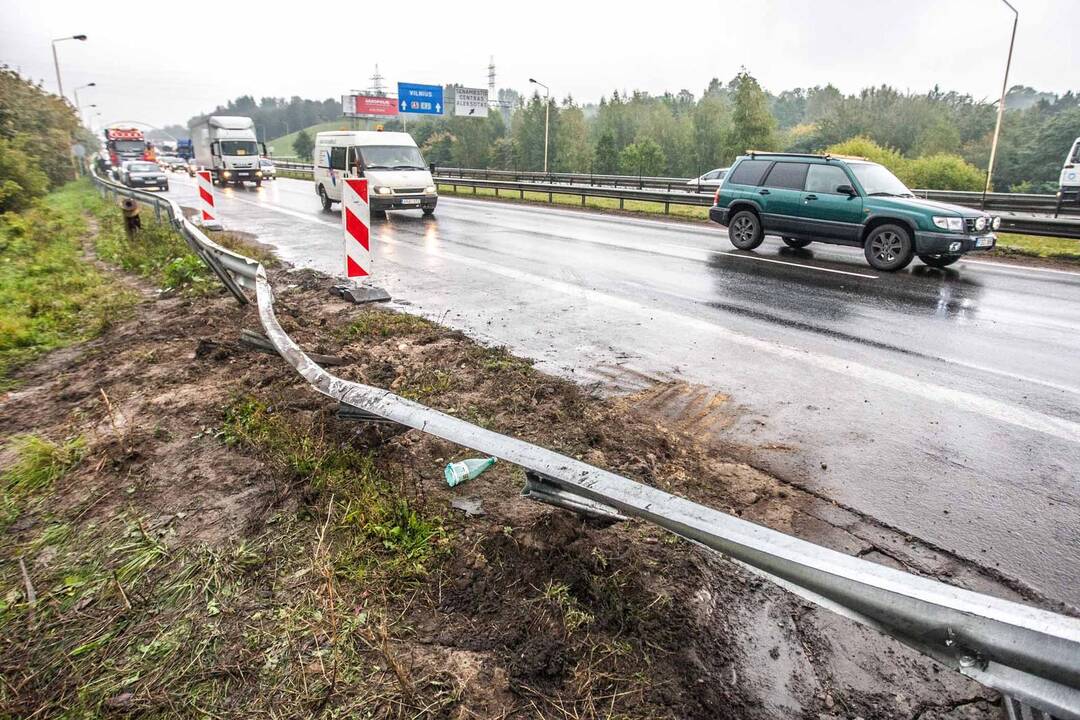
(157, 212)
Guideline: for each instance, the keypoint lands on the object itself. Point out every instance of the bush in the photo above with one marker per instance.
(944, 172)
(941, 171)
(20, 179)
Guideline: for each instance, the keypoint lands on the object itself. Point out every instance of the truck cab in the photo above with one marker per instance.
(228, 148)
(398, 178)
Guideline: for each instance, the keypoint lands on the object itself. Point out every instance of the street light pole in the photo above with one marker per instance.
(78, 107)
(56, 60)
(547, 116)
(1001, 105)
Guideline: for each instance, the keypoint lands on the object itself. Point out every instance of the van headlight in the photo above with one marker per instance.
(949, 223)
(429, 190)
(383, 190)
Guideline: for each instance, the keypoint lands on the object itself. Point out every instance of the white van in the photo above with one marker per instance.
(1070, 171)
(391, 162)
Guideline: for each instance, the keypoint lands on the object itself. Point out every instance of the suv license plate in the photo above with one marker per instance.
(984, 242)
(410, 201)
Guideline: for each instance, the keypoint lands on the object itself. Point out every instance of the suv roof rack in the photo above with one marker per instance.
(823, 156)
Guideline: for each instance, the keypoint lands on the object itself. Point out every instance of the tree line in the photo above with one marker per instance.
(935, 137)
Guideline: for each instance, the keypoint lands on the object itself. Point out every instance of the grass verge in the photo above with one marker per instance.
(1010, 244)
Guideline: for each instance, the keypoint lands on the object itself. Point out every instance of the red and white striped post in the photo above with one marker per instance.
(356, 224)
(208, 212)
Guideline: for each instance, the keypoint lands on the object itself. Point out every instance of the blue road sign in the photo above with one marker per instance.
(420, 99)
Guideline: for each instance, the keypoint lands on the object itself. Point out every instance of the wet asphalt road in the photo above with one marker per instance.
(944, 403)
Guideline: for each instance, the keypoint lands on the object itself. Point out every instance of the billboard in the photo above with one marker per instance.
(471, 102)
(367, 105)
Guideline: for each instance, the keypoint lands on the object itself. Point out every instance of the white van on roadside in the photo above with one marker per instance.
(397, 177)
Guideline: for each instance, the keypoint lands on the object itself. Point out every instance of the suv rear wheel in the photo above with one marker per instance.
(939, 261)
(745, 231)
(796, 242)
(889, 248)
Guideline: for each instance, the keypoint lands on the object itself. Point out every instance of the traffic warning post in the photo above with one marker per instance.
(207, 211)
(356, 238)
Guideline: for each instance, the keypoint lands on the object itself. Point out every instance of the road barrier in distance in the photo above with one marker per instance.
(1031, 656)
(625, 188)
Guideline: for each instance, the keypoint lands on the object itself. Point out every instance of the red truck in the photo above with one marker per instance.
(123, 144)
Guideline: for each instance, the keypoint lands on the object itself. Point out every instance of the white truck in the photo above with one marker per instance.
(228, 148)
(397, 177)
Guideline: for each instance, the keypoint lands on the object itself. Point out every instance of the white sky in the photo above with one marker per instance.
(163, 65)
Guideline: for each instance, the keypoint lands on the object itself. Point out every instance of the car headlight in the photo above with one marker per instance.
(996, 223)
(949, 223)
(383, 190)
(980, 224)
(429, 190)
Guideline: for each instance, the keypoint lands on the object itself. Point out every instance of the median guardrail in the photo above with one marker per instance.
(659, 190)
(1031, 656)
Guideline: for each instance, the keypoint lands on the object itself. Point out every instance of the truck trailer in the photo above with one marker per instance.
(227, 147)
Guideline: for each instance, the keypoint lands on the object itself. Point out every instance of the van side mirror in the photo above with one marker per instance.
(846, 190)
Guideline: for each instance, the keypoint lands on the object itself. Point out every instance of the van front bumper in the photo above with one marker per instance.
(935, 243)
(404, 202)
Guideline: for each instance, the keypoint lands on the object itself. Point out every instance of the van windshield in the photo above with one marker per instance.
(239, 147)
(392, 157)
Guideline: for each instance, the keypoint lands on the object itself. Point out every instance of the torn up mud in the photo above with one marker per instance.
(191, 531)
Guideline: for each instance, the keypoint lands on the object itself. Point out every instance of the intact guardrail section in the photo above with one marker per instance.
(1031, 656)
(669, 192)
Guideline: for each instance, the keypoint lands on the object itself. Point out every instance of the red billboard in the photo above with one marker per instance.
(368, 105)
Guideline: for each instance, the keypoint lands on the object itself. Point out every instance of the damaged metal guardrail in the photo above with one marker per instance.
(1029, 655)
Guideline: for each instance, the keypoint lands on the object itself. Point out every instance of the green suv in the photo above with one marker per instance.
(844, 201)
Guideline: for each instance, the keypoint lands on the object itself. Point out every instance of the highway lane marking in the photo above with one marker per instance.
(1009, 266)
(988, 407)
(732, 253)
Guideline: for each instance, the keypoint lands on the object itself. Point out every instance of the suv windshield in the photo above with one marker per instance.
(142, 167)
(877, 180)
(392, 157)
(239, 147)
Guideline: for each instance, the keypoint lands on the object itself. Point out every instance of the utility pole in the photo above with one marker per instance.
(547, 117)
(1001, 105)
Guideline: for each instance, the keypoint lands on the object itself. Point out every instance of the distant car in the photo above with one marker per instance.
(269, 172)
(143, 174)
(170, 162)
(710, 180)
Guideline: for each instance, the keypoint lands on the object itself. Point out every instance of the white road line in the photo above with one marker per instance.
(731, 253)
(987, 407)
(1009, 266)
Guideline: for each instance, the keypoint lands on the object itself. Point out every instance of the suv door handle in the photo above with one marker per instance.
(763, 192)
(811, 197)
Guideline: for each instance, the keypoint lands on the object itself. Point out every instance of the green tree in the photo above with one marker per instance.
(20, 178)
(303, 145)
(751, 124)
(606, 157)
(574, 152)
(644, 157)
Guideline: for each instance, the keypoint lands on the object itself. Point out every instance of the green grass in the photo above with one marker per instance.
(1037, 246)
(50, 295)
(683, 212)
(383, 324)
(40, 462)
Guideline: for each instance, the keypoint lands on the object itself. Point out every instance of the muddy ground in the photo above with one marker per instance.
(209, 563)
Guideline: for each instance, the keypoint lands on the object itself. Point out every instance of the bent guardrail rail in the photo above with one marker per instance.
(1031, 656)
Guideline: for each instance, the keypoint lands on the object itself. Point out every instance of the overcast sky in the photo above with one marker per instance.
(161, 66)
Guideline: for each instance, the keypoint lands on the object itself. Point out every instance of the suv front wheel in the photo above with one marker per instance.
(889, 248)
(745, 231)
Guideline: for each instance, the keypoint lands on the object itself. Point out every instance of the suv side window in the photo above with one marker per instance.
(749, 172)
(825, 178)
(337, 158)
(787, 175)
